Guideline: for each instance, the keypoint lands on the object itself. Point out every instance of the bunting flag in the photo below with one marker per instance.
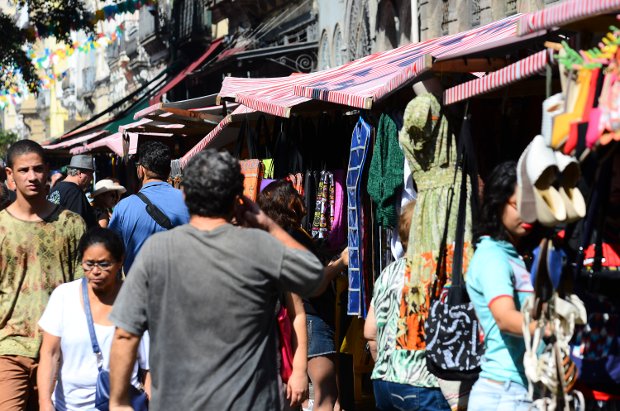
(47, 57)
(45, 60)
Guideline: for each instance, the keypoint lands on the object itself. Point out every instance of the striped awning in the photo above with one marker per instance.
(75, 141)
(564, 13)
(362, 82)
(510, 74)
(236, 115)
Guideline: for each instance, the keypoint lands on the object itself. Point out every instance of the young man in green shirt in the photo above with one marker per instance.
(39, 252)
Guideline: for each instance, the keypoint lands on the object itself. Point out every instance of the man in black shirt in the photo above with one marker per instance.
(69, 193)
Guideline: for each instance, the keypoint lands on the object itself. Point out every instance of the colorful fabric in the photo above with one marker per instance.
(337, 235)
(359, 149)
(35, 258)
(252, 171)
(325, 206)
(497, 270)
(399, 366)
(385, 175)
(430, 150)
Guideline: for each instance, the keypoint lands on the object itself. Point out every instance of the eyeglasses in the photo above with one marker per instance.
(102, 265)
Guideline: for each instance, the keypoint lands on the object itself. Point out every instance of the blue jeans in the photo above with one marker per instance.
(391, 396)
(487, 395)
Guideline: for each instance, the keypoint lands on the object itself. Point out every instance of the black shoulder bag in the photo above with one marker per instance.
(453, 344)
(155, 213)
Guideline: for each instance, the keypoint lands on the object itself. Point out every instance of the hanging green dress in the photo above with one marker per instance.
(431, 151)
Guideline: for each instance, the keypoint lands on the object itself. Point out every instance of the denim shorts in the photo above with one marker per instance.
(320, 337)
(489, 395)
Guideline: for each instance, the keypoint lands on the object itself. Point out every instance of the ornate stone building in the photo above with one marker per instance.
(350, 29)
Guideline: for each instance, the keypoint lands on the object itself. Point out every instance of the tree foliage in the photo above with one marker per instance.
(46, 18)
(6, 139)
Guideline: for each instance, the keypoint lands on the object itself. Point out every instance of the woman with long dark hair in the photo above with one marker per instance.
(498, 284)
(280, 201)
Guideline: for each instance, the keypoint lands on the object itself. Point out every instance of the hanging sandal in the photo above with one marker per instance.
(537, 199)
(571, 195)
(552, 106)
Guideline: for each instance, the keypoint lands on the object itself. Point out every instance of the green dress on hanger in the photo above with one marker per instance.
(431, 151)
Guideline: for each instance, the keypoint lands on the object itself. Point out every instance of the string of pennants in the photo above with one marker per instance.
(44, 61)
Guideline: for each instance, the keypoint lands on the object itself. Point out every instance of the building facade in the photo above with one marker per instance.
(350, 29)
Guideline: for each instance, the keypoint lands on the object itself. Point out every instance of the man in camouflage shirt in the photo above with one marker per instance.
(39, 242)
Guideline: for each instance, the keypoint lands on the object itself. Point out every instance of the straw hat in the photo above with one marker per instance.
(105, 185)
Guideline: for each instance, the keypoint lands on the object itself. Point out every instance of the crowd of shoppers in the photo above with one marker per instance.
(184, 289)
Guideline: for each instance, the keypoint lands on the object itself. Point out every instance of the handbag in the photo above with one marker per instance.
(453, 344)
(137, 397)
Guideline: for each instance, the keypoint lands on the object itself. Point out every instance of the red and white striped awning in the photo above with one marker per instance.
(362, 82)
(564, 13)
(236, 115)
(75, 141)
(510, 74)
(374, 77)
(270, 95)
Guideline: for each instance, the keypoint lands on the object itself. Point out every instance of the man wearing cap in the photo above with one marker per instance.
(69, 193)
(131, 219)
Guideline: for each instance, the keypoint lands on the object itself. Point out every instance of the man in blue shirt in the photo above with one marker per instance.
(130, 218)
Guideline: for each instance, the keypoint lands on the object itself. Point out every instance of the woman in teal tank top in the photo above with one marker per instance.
(498, 283)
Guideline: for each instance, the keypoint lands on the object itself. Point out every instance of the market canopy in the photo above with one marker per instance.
(240, 113)
(564, 13)
(78, 140)
(362, 82)
(520, 70)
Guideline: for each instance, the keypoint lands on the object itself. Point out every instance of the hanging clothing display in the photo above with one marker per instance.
(430, 149)
(337, 235)
(359, 149)
(324, 209)
(385, 175)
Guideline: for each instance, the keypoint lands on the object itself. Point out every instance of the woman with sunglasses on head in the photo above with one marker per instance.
(68, 367)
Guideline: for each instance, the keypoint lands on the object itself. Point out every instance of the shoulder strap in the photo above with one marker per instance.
(91, 326)
(155, 213)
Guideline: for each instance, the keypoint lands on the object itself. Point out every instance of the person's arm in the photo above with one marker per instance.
(509, 320)
(370, 332)
(147, 383)
(332, 270)
(297, 386)
(251, 215)
(122, 359)
(49, 360)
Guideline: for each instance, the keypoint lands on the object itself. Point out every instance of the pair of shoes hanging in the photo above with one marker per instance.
(538, 169)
